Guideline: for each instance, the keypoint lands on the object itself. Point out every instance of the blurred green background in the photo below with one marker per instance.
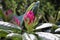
(50, 9)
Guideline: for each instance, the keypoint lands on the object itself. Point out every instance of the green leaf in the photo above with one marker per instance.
(58, 35)
(58, 16)
(51, 19)
(44, 25)
(1, 14)
(36, 7)
(27, 36)
(30, 7)
(3, 33)
(9, 26)
(14, 36)
(46, 36)
(57, 30)
(54, 28)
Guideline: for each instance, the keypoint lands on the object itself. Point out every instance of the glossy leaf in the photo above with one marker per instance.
(58, 35)
(2, 14)
(57, 30)
(9, 26)
(14, 36)
(30, 7)
(47, 36)
(3, 33)
(44, 25)
(27, 36)
(36, 6)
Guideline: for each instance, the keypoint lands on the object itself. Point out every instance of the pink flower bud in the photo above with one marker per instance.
(30, 16)
(17, 21)
(9, 12)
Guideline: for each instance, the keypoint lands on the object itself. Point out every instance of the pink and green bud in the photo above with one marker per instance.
(16, 20)
(8, 12)
(29, 15)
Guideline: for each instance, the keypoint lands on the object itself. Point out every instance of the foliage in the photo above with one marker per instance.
(20, 23)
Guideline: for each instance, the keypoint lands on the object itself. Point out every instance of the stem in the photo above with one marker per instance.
(14, 12)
